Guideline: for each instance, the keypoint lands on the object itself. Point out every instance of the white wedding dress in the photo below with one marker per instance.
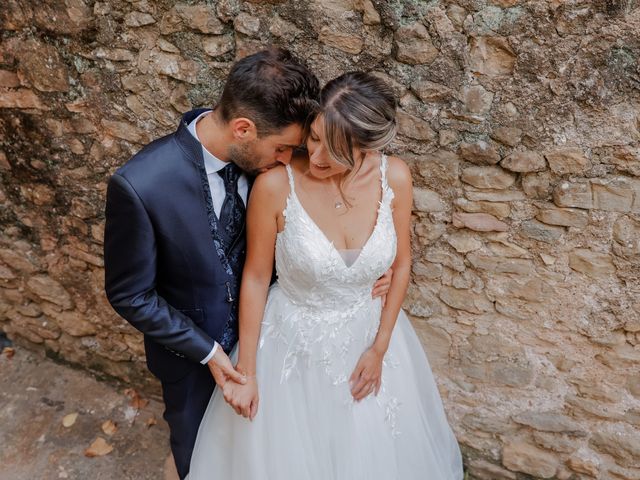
(318, 320)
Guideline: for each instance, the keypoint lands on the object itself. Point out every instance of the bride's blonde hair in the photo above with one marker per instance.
(359, 111)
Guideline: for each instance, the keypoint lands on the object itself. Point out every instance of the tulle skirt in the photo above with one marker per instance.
(309, 428)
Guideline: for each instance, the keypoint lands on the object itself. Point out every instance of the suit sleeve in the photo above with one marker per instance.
(130, 273)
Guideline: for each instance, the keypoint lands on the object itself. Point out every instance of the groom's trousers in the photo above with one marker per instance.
(185, 403)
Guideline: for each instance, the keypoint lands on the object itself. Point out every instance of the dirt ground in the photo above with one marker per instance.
(36, 394)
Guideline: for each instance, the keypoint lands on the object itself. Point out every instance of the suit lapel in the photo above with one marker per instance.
(193, 149)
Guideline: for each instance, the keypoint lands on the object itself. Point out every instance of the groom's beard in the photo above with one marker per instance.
(244, 157)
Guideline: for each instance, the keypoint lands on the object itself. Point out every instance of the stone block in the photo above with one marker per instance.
(523, 457)
(466, 300)
(525, 161)
(576, 195)
(567, 160)
(344, 41)
(492, 195)
(541, 231)
(477, 99)
(414, 45)
(488, 177)
(592, 263)
(492, 56)
(509, 136)
(480, 153)
(501, 264)
(620, 441)
(200, 17)
(138, 19)
(480, 222)
(567, 217)
(414, 127)
(50, 290)
(499, 210)
(426, 200)
(21, 98)
(613, 195)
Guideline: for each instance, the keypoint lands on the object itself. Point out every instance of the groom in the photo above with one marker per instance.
(174, 243)
(174, 234)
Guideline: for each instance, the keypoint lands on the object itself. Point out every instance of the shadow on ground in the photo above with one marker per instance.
(35, 396)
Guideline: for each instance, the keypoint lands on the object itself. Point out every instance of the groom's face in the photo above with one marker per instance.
(258, 154)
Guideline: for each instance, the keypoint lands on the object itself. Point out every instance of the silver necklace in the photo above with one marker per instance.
(337, 202)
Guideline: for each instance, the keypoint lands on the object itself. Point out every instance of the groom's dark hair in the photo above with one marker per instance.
(272, 88)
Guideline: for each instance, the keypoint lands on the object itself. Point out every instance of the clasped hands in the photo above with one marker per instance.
(240, 388)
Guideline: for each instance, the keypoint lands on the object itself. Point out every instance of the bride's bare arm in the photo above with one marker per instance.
(367, 376)
(267, 200)
(399, 179)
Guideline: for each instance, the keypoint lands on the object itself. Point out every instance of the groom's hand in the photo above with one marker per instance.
(219, 377)
(222, 369)
(382, 285)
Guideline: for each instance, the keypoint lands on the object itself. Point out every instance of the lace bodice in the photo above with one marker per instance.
(311, 271)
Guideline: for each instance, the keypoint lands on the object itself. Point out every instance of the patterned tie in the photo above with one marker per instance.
(232, 214)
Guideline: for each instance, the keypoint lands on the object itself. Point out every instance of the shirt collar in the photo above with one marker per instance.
(212, 164)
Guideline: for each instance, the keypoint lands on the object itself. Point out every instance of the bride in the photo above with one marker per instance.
(338, 386)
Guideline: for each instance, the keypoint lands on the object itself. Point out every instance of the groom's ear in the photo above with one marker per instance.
(243, 129)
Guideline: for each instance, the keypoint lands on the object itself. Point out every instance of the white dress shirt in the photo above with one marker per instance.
(212, 165)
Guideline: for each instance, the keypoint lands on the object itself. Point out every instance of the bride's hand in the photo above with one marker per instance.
(243, 398)
(367, 376)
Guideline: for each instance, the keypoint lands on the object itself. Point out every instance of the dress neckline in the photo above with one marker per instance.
(381, 202)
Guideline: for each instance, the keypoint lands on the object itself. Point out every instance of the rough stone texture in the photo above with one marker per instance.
(592, 263)
(567, 160)
(527, 458)
(481, 153)
(524, 162)
(518, 118)
(620, 441)
(426, 200)
(480, 222)
(567, 217)
(414, 44)
(488, 177)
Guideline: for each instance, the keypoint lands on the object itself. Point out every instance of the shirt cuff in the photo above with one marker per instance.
(213, 351)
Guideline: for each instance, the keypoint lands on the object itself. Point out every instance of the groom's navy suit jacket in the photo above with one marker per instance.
(162, 271)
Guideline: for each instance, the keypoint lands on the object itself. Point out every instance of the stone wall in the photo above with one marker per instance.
(521, 123)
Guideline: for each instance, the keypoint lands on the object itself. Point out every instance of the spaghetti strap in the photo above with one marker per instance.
(387, 191)
(290, 175)
(383, 170)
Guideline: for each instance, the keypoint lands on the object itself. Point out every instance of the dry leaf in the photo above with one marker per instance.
(8, 352)
(137, 401)
(109, 428)
(151, 421)
(69, 420)
(98, 448)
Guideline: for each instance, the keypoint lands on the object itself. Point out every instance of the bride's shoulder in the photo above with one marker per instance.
(398, 173)
(270, 190)
(272, 181)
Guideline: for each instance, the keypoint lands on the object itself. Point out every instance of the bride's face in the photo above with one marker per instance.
(321, 165)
